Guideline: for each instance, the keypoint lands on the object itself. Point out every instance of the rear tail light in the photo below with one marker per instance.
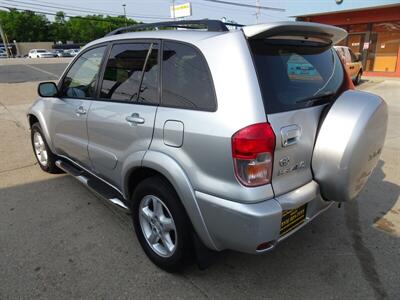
(252, 152)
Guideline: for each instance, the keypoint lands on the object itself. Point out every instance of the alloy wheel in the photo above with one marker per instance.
(158, 226)
(40, 148)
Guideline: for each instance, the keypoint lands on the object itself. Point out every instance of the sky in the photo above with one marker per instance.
(158, 10)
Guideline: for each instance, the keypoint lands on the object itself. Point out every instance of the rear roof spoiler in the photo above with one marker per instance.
(327, 33)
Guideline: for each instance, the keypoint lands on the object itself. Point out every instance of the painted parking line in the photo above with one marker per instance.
(43, 71)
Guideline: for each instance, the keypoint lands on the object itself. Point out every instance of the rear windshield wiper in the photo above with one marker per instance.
(316, 97)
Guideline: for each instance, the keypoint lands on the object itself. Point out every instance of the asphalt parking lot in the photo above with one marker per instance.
(58, 241)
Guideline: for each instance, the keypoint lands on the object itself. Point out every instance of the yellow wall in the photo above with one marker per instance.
(385, 63)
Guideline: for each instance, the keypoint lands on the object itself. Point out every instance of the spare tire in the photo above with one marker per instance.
(349, 144)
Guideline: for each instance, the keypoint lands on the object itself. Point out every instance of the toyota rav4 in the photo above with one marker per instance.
(213, 138)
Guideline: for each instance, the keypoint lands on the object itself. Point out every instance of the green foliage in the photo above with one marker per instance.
(58, 29)
(27, 26)
(89, 28)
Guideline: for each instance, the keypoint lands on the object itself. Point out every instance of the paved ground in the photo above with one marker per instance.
(26, 70)
(58, 241)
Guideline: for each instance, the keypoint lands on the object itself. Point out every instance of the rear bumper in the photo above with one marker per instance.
(242, 227)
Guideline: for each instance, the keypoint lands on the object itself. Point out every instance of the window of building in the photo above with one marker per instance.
(384, 48)
(186, 78)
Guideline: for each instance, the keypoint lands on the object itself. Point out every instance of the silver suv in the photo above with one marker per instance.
(213, 138)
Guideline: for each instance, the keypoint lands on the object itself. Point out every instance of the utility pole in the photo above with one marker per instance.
(258, 10)
(173, 9)
(3, 37)
(126, 20)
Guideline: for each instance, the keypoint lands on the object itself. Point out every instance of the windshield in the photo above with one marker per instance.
(294, 74)
(41, 51)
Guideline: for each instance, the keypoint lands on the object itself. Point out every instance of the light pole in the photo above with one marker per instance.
(173, 10)
(126, 21)
(258, 11)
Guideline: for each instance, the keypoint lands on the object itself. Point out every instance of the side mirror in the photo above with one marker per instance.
(47, 89)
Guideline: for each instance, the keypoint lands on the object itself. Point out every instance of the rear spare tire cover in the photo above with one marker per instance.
(349, 144)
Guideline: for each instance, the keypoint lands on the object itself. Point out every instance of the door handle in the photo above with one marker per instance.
(134, 119)
(290, 135)
(80, 111)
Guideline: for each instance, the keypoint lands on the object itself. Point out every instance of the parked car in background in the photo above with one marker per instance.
(62, 53)
(3, 54)
(352, 62)
(210, 150)
(40, 53)
(73, 52)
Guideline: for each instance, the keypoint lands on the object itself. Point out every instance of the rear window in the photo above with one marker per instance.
(294, 75)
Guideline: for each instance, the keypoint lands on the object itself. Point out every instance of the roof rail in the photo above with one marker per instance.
(211, 25)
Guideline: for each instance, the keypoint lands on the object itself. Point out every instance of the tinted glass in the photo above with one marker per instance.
(149, 88)
(123, 72)
(295, 75)
(186, 79)
(80, 81)
(353, 56)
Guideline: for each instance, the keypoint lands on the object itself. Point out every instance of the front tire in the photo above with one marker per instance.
(43, 154)
(161, 224)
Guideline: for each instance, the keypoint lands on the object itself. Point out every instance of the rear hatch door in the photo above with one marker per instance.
(300, 75)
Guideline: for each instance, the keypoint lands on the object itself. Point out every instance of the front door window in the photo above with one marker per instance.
(80, 81)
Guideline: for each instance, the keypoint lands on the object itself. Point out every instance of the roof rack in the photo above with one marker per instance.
(211, 25)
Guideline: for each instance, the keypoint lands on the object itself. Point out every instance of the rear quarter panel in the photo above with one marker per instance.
(206, 155)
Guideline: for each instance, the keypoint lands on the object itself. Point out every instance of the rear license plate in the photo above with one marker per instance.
(292, 218)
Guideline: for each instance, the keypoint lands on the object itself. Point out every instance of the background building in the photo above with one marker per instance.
(374, 33)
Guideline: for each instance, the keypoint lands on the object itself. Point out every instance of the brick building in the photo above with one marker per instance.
(373, 32)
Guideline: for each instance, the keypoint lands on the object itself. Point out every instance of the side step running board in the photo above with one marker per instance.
(92, 183)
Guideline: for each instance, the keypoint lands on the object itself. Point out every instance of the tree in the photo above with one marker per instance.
(59, 29)
(25, 26)
(85, 29)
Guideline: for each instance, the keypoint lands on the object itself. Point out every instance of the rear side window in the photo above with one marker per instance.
(186, 81)
(125, 73)
(294, 75)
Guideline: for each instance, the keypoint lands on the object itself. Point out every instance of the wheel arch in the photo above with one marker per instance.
(157, 163)
(37, 117)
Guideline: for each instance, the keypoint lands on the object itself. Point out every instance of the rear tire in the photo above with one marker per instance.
(45, 158)
(161, 224)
